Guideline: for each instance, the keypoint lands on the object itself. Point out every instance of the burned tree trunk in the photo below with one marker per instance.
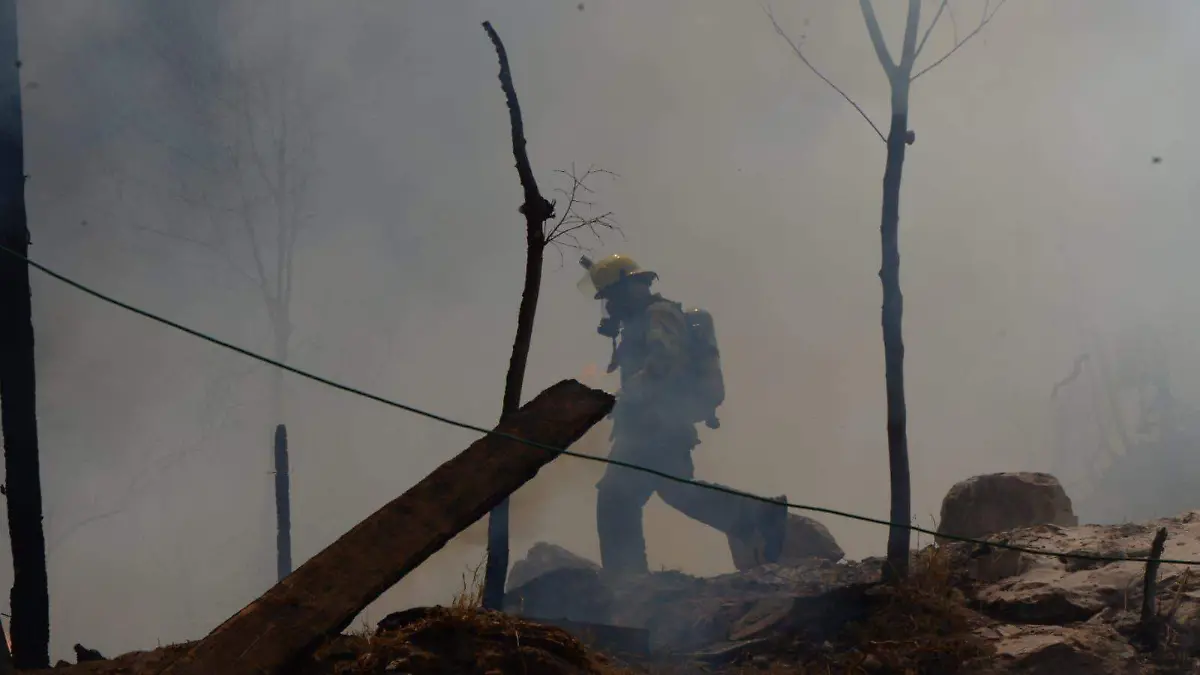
(893, 352)
(283, 505)
(537, 210)
(30, 599)
(900, 79)
(281, 330)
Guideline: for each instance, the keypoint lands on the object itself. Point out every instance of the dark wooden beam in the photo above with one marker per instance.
(324, 595)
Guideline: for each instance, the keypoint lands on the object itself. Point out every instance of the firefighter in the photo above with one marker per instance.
(670, 381)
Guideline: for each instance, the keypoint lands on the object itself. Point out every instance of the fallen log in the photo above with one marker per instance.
(324, 595)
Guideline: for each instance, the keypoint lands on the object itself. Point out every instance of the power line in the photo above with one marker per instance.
(561, 451)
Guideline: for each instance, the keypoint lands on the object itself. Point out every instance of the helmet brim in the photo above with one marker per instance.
(646, 275)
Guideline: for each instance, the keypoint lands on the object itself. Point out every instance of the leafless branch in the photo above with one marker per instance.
(574, 220)
(803, 59)
(932, 25)
(983, 21)
(877, 41)
(214, 245)
(953, 23)
(247, 222)
(908, 52)
(217, 407)
(207, 245)
(54, 543)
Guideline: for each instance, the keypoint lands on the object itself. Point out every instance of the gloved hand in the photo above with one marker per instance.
(634, 391)
(609, 327)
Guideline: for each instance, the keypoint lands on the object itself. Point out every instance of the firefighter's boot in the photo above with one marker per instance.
(757, 535)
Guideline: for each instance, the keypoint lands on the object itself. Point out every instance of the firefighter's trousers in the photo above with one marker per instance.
(623, 493)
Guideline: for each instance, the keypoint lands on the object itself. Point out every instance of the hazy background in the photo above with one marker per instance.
(1031, 214)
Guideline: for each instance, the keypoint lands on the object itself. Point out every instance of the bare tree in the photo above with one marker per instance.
(246, 174)
(30, 599)
(542, 228)
(901, 74)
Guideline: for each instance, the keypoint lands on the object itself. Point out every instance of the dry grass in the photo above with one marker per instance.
(463, 639)
(923, 625)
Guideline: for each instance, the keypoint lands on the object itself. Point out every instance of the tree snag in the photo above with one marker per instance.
(30, 598)
(283, 505)
(537, 211)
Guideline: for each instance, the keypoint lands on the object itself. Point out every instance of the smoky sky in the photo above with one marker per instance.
(1033, 223)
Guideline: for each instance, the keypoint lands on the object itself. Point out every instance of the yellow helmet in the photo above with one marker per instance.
(603, 273)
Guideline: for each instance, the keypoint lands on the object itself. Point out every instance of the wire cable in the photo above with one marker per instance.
(986, 544)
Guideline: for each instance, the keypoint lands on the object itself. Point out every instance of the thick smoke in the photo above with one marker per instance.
(1034, 222)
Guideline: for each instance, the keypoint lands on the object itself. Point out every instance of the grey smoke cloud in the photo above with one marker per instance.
(1030, 208)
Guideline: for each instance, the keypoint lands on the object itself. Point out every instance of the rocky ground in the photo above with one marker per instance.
(964, 609)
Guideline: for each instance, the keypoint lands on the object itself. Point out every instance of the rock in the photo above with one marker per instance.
(804, 538)
(815, 618)
(397, 621)
(1028, 588)
(542, 558)
(685, 613)
(134, 663)
(985, 505)
(1095, 649)
(574, 593)
(765, 615)
(83, 654)
(807, 538)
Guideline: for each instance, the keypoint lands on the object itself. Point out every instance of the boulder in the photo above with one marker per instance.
(985, 505)
(542, 558)
(804, 538)
(808, 538)
(572, 593)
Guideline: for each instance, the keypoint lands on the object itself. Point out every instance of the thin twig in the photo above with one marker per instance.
(562, 232)
(826, 80)
(953, 23)
(932, 25)
(987, 17)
